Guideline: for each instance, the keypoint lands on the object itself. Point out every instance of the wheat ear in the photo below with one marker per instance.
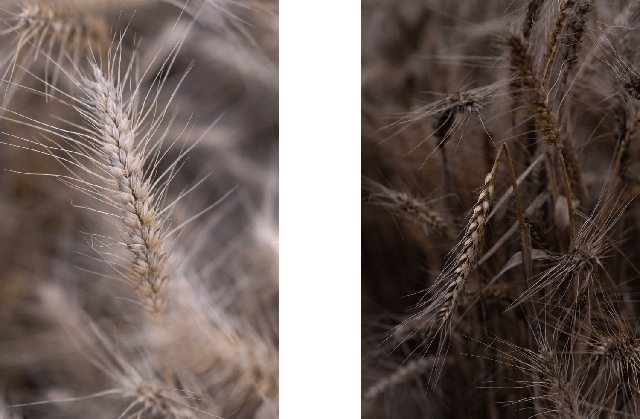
(465, 262)
(404, 373)
(453, 280)
(559, 387)
(573, 39)
(533, 10)
(409, 207)
(554, 39)
(114, 124)
(546, 118)
(69, 26)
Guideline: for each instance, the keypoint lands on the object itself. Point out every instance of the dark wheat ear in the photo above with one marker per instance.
(553, 41)
(580, 264)
(445, 117)
(409, 207)
(557, 391)
(546, 117)
(464, 103)
(572, 39)
(620, 51)
(531, 17)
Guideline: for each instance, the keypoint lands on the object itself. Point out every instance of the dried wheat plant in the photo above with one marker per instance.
(139, 201)
(500, 290)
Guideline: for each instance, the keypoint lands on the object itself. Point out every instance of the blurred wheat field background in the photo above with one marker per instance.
(499, 209)
(139, 209)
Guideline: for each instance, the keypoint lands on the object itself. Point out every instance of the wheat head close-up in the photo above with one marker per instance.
(139, 248)
(500, 210)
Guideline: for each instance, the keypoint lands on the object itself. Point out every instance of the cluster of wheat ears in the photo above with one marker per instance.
(500, 220)
(138, 209)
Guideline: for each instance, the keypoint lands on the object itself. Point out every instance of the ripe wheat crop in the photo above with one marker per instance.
(139, 209)
(500, 218)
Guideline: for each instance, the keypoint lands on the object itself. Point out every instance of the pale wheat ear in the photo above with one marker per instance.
(117, 141)
(110, 143)
(113, 122)
(57, 30)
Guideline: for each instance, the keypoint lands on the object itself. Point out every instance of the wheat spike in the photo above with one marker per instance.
(114, 124)
(465, 262)
(546, 117)
(554, 39)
